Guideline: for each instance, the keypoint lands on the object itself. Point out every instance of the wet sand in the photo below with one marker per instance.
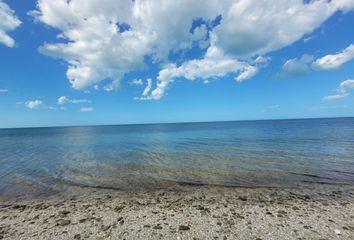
(189, 212)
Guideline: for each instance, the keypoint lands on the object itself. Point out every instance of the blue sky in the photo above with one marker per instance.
(209, 63)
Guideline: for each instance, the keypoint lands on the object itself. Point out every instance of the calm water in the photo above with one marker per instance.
(249, 153)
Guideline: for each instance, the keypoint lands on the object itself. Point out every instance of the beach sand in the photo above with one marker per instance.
(188, 212)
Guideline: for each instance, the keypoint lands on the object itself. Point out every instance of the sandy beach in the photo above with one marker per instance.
(189, 212)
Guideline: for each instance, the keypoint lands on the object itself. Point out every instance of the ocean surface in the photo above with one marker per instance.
(242, 153)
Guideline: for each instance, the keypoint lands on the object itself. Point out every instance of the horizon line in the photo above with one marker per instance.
(160, 123)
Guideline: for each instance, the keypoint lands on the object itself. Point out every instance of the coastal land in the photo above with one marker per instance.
(314, 211)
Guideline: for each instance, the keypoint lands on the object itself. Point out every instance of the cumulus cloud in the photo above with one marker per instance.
(342, 90)
(102, 41)
(344, 5)
(296, 66)
(8, 22)
(334, 61)
(34, 104)
(63, 100)
(301, 66)
(259, 27)
(214, 64)
(86, 109)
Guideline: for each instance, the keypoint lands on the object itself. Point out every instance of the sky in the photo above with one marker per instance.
(93, 62)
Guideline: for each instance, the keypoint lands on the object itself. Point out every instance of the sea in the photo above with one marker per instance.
(281, 153)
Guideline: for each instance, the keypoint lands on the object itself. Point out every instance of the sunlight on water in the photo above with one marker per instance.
(253, 153)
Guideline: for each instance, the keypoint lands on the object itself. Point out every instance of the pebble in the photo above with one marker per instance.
(77, 236)
(282, 212)
(64, 222)
(184, 228)
(64, 213)
(242, 198)
(158, 227)
(105, 228)
(338, 232)
(82, 220)
(118, 208)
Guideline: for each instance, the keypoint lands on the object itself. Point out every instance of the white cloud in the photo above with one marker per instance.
(334, 61)
(112, 86)
(214, 64)
(296, 66)
(257, 27)
(4, 90)
(63, 100)
(262, 61)
(342, 90)
(344, 5)
(86, 109)
(34, 104)
(336, 96)
(8, 22)
(102, 41)
(347, 84)
(137, 82)
(147, 88)
(95, 49)
(247, 72)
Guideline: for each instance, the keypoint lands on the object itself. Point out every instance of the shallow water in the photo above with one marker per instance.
(245, 153)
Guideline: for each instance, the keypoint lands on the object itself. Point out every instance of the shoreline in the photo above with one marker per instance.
(314, 211)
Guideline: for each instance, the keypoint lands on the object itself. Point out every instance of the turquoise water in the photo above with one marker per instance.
(245, 153)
